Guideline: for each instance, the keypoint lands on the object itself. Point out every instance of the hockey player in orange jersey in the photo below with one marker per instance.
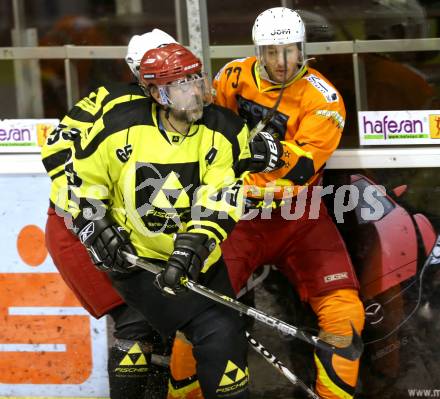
(306, 246)
(308, 123)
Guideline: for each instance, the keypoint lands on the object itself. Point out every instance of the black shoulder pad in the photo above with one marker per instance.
(225, 122)
(121, 89)
(122, 116)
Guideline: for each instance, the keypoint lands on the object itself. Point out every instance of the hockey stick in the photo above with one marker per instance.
(350, 352)
(270, 114)
(252, 282)
(272, 359)
(257, 346)
(260, 349)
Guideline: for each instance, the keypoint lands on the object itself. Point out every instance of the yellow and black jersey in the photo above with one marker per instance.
(155, 182)
(77, 122)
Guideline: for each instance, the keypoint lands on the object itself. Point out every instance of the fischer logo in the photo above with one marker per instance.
(278, 324)
(281, 32)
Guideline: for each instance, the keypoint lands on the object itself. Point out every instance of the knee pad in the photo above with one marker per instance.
(133, 372)
(337, 310)
(130, 325)
(220, 349)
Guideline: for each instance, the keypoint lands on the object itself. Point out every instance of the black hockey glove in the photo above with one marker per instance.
(189, 255)
(104, 241)
(266, 153)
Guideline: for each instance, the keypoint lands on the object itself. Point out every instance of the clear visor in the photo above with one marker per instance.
(277, 61)
(186, 94)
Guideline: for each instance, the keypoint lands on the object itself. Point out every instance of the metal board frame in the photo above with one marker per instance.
(342, 159)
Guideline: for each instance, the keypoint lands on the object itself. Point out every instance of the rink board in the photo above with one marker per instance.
(49, 345)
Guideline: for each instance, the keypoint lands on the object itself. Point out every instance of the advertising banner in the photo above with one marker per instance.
(49, 346)
(24, 135)
(399, 127)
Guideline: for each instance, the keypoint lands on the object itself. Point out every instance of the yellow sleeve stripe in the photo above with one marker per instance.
(70, 123)
(93, 108)
(93, 103)
(89, 106)
(56, 171)
(297, 150)
(208, 226)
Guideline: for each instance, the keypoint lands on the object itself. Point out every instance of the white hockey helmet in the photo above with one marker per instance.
(140, 44)
(278, 26)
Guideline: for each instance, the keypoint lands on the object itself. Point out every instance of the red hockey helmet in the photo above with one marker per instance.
(166, 64)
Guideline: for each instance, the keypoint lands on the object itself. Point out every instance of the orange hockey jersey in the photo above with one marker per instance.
(309, 122)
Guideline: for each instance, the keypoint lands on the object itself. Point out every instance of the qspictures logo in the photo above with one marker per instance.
(434, 126)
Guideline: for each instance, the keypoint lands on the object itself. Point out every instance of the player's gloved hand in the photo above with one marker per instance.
(266, 153)
(104, 240)
(189, 255)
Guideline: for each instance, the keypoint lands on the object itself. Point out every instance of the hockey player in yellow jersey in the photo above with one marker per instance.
(156, 177)
(92, 287)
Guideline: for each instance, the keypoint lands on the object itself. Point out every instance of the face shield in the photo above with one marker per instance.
(282, 62)
(186, 97)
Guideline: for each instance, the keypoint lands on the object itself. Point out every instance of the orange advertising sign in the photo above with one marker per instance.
(49, 345)
(25, 362)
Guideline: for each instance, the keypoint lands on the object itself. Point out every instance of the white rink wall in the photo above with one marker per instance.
(49, 345)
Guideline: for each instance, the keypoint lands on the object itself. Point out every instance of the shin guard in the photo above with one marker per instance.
(336, 376)
(132, 375)
(183, 382)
